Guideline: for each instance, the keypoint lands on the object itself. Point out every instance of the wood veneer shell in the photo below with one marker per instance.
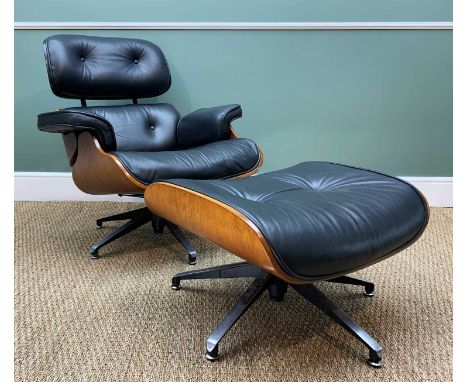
(97, 172)
(70, 141)
(216, 221)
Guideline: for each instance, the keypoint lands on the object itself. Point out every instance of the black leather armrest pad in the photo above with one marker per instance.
(65, 121)
(206, 125)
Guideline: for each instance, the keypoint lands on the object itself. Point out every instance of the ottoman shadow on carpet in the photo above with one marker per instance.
(117, 318)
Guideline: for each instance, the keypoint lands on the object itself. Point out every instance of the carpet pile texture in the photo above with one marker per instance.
(117, 319)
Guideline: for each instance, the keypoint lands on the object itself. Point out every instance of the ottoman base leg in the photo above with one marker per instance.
(368, 286)
(231, 271)
(277, 289)
(322, 302)
(252, 293)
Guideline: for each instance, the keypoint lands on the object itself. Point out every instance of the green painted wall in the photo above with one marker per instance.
(379, 99)
(239, 10)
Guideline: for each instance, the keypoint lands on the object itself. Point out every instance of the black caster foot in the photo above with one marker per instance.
(94, 254)
(368, 286)
(98, 224)
(375, 358)
(192, 261)
(212, 355)
(369, 291)
(377, 363)
(175, 283)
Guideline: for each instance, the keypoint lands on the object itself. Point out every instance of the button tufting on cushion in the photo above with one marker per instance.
(106, 78)
(131, 125)
(322, 219)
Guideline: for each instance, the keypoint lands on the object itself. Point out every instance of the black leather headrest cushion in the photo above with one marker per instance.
(90, 67)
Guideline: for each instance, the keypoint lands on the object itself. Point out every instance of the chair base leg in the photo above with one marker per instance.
(123, 216)
(142, 217)
(180, 236)
(277, 289)
(137, 218)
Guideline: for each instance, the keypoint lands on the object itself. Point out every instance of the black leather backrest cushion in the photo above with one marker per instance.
(138, 127)
(90, 67)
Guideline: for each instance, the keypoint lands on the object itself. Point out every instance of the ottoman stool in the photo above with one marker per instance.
(313, 221)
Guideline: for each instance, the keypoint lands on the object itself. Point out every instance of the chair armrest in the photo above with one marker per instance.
(68, 121)
(206, 125)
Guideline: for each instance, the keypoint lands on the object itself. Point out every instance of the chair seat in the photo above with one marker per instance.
(323, 219)
(217, 160)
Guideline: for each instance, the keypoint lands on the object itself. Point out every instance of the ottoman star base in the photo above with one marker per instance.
(310, 222)
(277, 289)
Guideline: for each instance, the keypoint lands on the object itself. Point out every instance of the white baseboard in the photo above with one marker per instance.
(437, 190)
(59, 186)
(42, 186)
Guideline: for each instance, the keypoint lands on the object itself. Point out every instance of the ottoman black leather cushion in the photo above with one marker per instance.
(322, 219)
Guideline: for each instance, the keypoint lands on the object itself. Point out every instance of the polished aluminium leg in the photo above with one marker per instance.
(317, 298)
(229, 271)
(368, 286)
(142, 218)
(180, 236)
(253, 292)
(123, 216)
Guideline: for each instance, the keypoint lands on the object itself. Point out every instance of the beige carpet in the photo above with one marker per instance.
(117, 319)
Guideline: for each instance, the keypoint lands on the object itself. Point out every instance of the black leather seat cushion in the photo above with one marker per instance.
(323, 219)
(217, 160)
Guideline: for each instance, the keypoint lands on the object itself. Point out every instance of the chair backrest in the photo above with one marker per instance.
(134, 127)
(93, 68)
(87, 67)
